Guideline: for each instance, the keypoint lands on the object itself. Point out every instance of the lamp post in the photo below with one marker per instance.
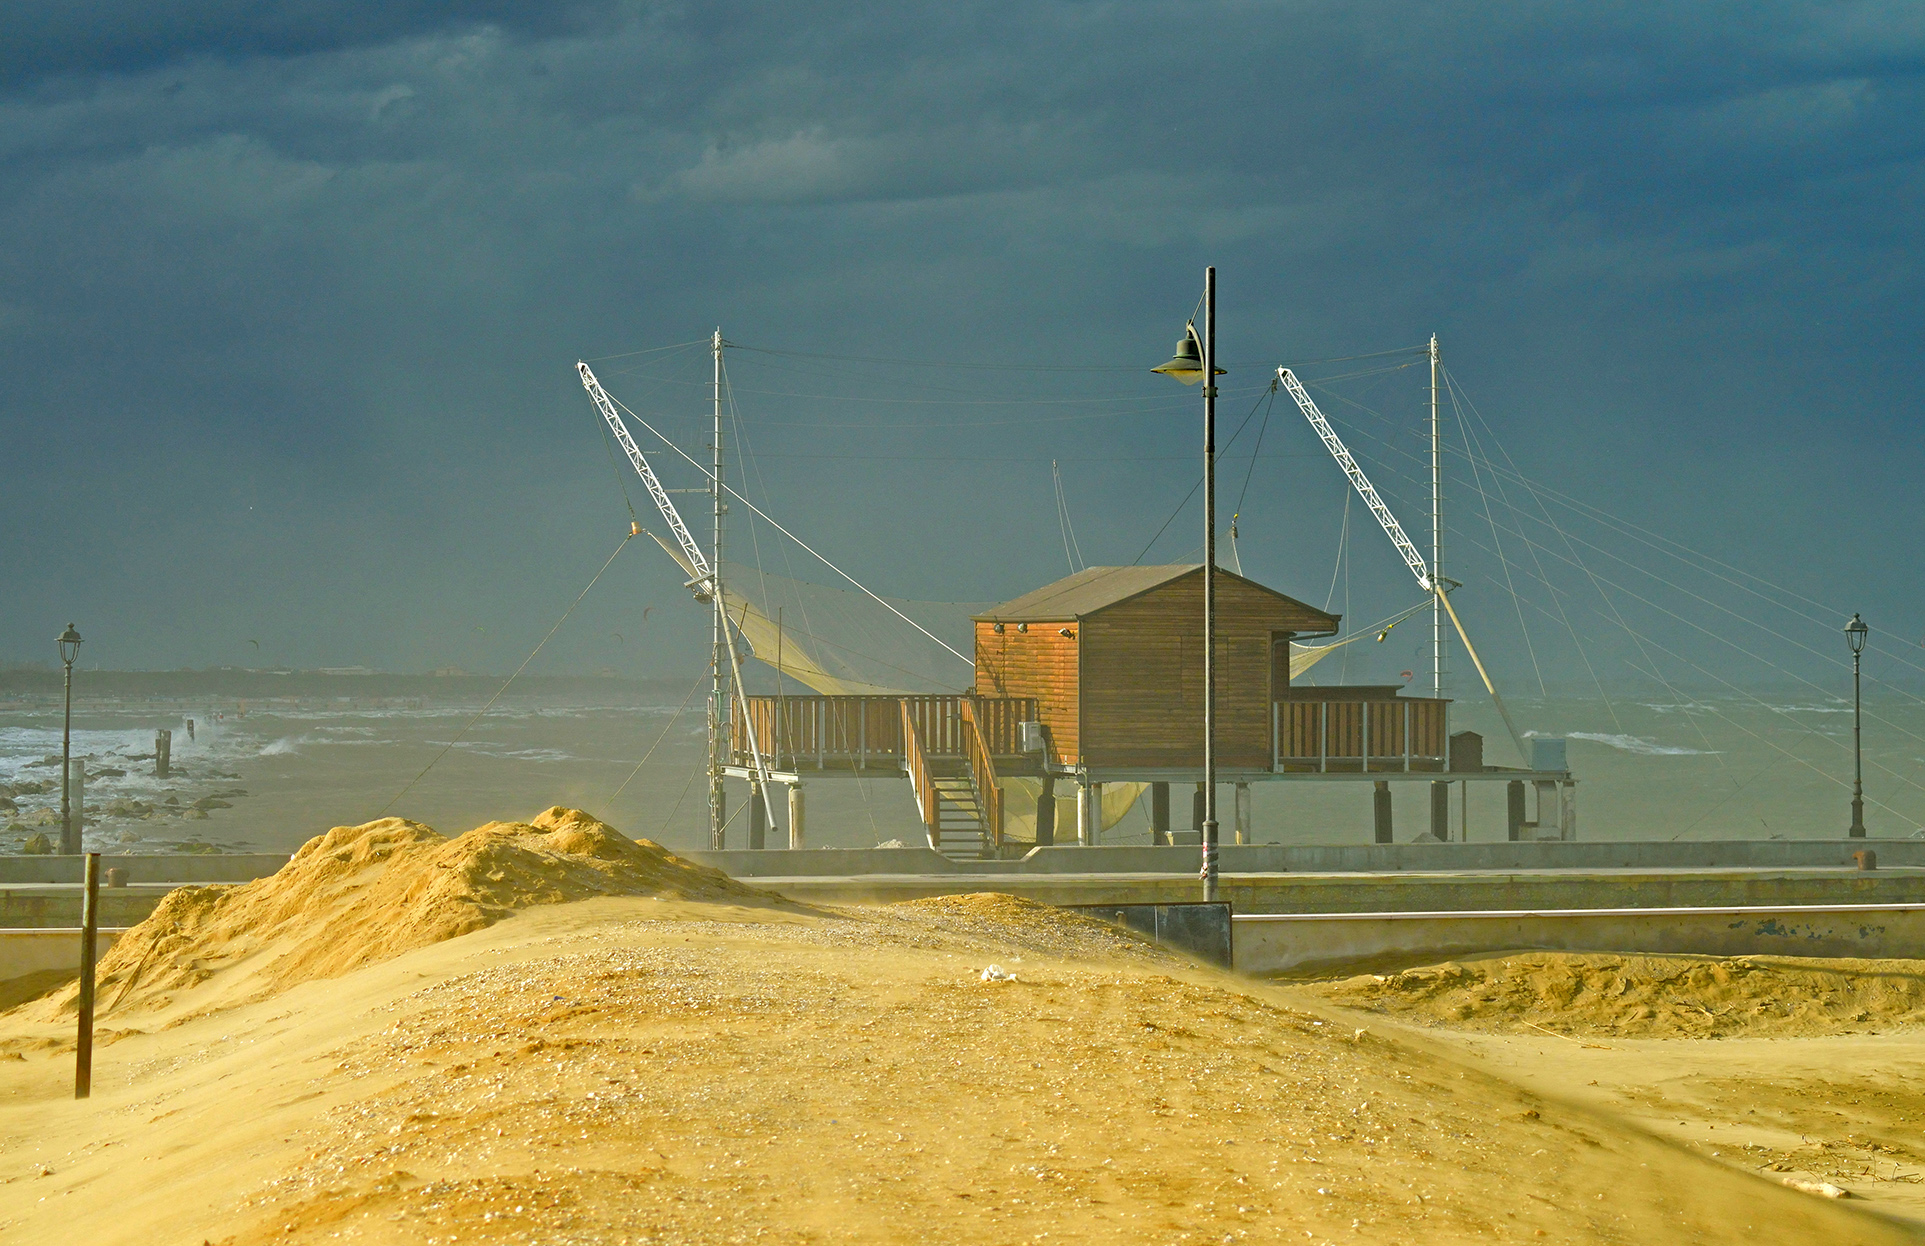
(1855, 634)
(1195, 360)
(69, 642)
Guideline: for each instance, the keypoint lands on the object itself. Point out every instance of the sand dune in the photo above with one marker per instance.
(634, 1068)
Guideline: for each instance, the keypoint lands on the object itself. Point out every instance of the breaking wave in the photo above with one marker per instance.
(1637, 744)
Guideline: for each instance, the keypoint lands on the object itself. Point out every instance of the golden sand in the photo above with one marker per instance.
(408, 1039)
(1647, 996)
(361, 894)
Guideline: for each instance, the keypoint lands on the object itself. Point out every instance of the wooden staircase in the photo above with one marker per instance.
(959, 828)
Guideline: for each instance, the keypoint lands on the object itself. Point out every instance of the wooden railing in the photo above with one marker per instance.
(1399, 733)
(808, 731)
(916, 762)
(855, 732)
(982, 766)
(999, 721)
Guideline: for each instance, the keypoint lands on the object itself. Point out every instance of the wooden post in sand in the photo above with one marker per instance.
(89, 933)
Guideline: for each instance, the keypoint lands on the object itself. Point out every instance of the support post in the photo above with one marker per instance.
(796, 823)
(89, 935)
(1440, 810)
(1095, 797)
(1160, 813)
(1514, 808)
(1567, 810)
(1046, 812)
(1380, 809)
(163, 752)
(1083, 835)
(1547, 815)
(1463, 811)
(1243, 813)
(758, 818)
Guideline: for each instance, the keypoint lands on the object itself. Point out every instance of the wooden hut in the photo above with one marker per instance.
(1113, 657)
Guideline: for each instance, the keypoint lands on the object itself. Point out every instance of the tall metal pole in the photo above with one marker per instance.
(1436, 534)
(718, 656)
(69, 841)
(1857, 756)
(1209, 585)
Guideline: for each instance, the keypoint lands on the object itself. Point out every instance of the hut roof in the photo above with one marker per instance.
(1097, 588)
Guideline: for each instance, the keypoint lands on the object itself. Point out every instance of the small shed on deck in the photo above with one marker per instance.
(1114, 658)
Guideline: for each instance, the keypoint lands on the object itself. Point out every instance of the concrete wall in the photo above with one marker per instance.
(59, 904)
(1502, 855)
(1281, 943)
(35, 951)
(229, 867)
(836, 862)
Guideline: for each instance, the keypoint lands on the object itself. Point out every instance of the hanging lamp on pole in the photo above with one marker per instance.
(1187, 364)
(68, 643)
(1195, 359)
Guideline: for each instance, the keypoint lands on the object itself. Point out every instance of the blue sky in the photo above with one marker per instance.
(292, 297)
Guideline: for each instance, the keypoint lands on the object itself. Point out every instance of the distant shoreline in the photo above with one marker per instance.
(271, 685)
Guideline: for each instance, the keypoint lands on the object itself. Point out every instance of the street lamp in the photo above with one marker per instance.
(1195, 360)
(1855, 634)
(69, 642)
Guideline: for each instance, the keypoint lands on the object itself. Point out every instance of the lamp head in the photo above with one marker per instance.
(1187, 364)
(1855, 634)
(69, 642)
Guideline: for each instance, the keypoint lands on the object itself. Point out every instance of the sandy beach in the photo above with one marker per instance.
(679, 1058)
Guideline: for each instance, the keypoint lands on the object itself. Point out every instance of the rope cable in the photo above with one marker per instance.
(737, 495)
(1199, 480)
(658, 739)
(511, 679)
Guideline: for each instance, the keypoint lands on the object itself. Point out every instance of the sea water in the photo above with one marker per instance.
(270, 776)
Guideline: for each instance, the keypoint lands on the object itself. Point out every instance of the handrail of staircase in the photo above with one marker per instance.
(916, 762)
(982, 765)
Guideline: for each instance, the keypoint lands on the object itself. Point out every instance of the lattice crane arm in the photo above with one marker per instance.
(1364, 488)
(703, 581)
(1395, 531)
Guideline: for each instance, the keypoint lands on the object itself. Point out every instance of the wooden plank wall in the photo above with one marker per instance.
(1038, 663)
(1142, 675)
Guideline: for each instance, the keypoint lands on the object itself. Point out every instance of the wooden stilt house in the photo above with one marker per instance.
(1113, 657)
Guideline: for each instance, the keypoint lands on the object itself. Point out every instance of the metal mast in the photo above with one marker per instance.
(719, 656)
(1209, 835)
(1436, 534)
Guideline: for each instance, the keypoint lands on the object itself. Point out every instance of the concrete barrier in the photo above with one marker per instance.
(38, 950)
(1272, 943)
(159, 867)
(1709, 854)
(821, 862)
(1200, 928)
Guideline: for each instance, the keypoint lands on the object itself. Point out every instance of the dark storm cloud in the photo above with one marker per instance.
(298, 287)
(117, 38)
